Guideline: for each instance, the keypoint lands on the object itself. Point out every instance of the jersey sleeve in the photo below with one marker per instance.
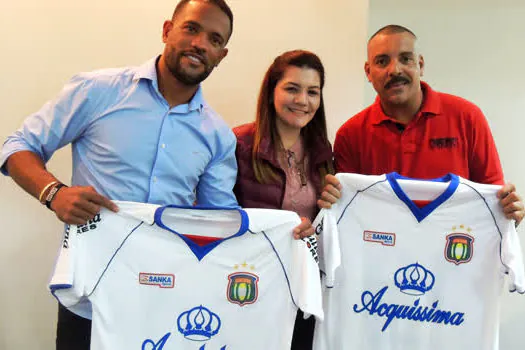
(511, 257)
(305, 281)
(328, 244)
(484, 162)
(86, 252)
(510, 248)
(67, 281)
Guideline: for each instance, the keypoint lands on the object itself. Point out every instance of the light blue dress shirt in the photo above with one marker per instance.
(129, 144)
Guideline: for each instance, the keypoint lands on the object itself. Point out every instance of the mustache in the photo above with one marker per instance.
(397, 79)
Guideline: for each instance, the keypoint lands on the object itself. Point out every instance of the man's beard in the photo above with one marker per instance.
(187, 79)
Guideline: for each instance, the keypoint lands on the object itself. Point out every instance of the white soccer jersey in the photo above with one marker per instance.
(401, 277)
(152, 288)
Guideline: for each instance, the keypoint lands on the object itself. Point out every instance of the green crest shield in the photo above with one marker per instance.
(242, 288)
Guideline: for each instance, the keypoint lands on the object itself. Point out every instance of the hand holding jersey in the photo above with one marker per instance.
(78, 204)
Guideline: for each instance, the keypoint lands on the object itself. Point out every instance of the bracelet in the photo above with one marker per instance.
(41, 196)
(52, 194)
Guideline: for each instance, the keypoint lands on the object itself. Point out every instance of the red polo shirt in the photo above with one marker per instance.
(448, 134)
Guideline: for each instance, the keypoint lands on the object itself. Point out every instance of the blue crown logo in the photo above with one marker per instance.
(199, 324)
(414, 279)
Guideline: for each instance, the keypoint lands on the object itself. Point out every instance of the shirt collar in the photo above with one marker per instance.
(431, 106)
(148, 71)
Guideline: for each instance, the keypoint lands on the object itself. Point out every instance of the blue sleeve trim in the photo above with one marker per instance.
(54, 287)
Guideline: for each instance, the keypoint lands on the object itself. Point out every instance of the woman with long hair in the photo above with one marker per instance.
(284, 155)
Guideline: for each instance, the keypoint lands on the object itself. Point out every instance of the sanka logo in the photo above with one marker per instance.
(157, 279)
(415, 280)
(385, 238)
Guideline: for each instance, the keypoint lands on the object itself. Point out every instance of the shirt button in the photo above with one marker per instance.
(163, 145)
(154, 179)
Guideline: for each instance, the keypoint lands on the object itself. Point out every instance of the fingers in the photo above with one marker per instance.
(322, 204)
(77, 216)
(99, 200)
(513, 209)
(511, 203)
(77, 205)
(506, 190)
(332, 180)
(329, 196)
(510, 199)
(304, 229)
(331, 192)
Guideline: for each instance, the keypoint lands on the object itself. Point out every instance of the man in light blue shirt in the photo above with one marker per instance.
(129, 144)
(140, 134)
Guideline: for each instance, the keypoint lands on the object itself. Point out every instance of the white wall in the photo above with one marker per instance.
(45, 42)
(474, 48)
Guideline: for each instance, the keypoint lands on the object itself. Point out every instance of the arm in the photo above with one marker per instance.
(215, 186)
(484, 162)
(344, 162)
(485, 167)
(72, 205)
(56, 124)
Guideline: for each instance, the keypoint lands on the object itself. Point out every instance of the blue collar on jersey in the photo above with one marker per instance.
(201, 251)
(422, 213)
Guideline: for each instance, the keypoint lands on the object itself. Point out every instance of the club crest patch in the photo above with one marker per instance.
(157, 279)
(384, 238)
(459, 247)
(243, 287)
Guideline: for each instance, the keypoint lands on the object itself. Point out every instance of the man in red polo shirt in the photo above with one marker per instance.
(414, 130)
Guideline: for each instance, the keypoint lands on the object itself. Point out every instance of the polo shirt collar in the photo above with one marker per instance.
(431, 106)
(148, 71)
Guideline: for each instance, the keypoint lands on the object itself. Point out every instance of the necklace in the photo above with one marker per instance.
(296, 165)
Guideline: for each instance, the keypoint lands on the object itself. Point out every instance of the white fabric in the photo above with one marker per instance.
(151, 289)
(384, 260)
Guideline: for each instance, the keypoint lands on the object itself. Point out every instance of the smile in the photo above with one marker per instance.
(298, 111)
(194, 58)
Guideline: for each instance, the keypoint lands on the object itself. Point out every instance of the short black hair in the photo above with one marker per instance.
(392, 29)
(219, 3)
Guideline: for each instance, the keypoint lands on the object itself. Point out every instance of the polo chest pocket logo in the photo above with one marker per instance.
(443, 143)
